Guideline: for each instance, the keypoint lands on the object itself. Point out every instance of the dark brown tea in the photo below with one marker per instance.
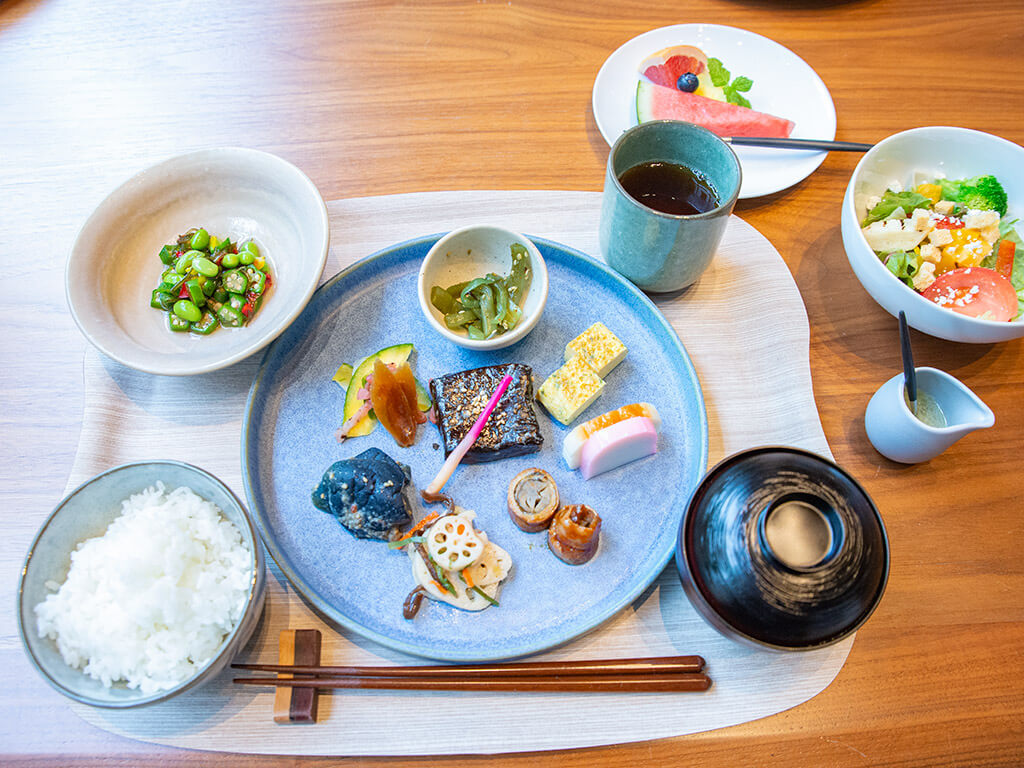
(669, 188)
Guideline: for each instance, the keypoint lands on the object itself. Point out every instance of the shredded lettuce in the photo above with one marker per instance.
(904, 265)
(908, 201)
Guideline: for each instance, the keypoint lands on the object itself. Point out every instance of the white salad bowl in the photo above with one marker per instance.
(471, 252)
(87, 512)
(232, 192)
(905, 157)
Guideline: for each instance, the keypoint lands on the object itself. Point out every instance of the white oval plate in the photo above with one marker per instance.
(784, 85)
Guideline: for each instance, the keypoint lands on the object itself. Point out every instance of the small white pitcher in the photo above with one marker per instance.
(899, 435)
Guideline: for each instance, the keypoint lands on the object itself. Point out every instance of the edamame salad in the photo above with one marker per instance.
(209, 282)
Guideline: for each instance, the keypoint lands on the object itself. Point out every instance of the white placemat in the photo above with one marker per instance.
(752, 360)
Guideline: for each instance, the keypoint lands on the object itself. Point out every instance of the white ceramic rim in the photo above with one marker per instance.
(526, 324)
(877, 266)
(254, 599)
(123, 192)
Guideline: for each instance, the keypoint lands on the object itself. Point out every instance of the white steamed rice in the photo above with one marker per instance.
(151, 600)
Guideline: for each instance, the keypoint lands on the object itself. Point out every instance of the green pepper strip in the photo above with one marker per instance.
(441, 299)
(468, 292)
(455, 290)
(520, 275)
(487, 309)
(475, 331)
(456, 320)
(501, 309)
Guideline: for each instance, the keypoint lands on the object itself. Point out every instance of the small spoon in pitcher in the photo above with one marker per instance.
(909, 372)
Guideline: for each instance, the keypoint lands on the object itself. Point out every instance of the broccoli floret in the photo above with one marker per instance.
(983, 193)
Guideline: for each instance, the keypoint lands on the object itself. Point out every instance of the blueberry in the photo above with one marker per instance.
(687, 82)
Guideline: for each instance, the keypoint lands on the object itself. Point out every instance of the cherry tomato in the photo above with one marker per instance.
(974, 291)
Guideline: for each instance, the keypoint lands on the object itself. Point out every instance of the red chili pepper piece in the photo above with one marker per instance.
(247, 308)
(183, 293)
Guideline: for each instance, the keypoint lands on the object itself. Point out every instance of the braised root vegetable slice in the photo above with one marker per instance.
(453, 543)
(574, 533)
(393, 394)
(974, 291)
(532, 499)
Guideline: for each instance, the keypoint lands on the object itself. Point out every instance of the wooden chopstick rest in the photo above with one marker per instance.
(293, 705)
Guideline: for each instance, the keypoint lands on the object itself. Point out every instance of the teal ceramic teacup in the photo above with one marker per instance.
(659, 251)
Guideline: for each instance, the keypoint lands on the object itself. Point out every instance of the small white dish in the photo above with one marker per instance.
(239, 193)
(899, 435)
(784, 85)
(932, 151)
(471, 252)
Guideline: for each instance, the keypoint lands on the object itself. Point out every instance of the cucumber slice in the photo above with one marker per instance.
(395, 354)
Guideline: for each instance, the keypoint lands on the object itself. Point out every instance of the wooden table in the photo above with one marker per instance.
(373, 98)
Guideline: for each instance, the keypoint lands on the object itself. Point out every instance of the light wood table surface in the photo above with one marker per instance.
(372, 98)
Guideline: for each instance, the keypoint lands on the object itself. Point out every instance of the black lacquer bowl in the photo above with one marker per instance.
(781, 548)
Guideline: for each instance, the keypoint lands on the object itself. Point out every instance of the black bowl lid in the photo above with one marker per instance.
(781, 547)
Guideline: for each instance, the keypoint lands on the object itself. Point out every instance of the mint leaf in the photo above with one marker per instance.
(735, 98)
(742, 83)
(718, 73)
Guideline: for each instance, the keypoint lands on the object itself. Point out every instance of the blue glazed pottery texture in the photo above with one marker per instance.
(657, 251)
(288, 441)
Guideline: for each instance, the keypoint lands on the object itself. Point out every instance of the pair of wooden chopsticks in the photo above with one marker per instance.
(656, 675)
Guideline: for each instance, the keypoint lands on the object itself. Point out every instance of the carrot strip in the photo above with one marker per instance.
(466, 577)
(418, 527)
(1004, 258)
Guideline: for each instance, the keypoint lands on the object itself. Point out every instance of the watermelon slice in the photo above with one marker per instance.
(657, 102)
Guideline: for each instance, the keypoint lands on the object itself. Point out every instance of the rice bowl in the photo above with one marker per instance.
(133, 623)
(150, 600)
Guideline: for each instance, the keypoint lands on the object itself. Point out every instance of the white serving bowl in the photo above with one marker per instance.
(87, 512)
(937, 151)
(471, 252)
(232, 192)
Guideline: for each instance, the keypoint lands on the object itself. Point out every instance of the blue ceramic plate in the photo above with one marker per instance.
(288, 441)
